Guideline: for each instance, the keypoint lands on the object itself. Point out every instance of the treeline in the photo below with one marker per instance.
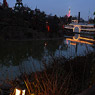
(25, 19)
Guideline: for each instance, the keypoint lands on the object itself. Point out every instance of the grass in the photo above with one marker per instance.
(60, 77)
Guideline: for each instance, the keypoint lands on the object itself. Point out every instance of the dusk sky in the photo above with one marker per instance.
(61, 7)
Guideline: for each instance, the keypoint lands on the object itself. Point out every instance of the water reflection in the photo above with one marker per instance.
(79, 39)
(81, 43)
(19, 57)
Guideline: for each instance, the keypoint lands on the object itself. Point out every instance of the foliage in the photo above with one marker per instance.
(62, 76)
(26, 23)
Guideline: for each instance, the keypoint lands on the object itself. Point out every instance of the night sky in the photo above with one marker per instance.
(61, 7)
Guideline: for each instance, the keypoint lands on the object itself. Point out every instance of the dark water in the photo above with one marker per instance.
(26, 56)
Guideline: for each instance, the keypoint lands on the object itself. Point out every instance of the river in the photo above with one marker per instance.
(17, 57)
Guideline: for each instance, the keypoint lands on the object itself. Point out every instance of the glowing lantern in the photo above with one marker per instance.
(48, 28)
(19, 92)
(72, 43)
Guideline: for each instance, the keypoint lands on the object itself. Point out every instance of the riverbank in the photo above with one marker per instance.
(60, 77)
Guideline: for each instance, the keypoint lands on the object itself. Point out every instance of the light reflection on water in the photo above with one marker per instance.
(20, 57)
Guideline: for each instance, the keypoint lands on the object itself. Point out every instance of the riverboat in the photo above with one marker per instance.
(80, 27)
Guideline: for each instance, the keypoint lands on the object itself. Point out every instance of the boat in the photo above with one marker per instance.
(80, 27)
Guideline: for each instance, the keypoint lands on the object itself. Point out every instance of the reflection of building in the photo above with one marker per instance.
(79, 39)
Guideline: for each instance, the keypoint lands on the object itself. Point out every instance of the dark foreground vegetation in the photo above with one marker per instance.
(60, 77)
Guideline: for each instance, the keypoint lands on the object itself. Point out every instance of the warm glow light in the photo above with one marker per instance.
(45, 44)
(76, 38)
(81, 27)
(32, 94)
(77, 27)
(86, 39)
(48, 27)
(85, 42)
(89, 39)
(73, 44)
(23, 92)
(18, 92)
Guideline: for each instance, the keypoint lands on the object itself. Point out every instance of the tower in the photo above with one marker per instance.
(69, 13)
(18, 4)
(78, 17)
